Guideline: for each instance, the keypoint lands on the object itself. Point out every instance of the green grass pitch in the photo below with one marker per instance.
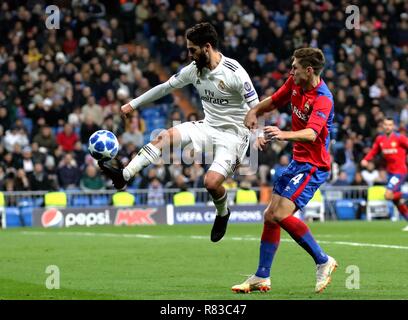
(180, 262)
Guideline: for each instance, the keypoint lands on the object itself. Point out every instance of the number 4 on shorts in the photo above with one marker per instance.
(296, 179)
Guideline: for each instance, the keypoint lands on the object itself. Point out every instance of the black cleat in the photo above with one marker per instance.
(219, 227)
(113, 169)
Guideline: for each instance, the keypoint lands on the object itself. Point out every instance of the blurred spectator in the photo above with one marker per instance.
(359, 180)
(92, 179)
(45, 139)
(93, 110)
(88, 127)
(28, 164)
(370, 174)
(39, 179)
(15, 135)
(135, 127)
(155, 195)
(21, 183)
(68, 172)
(37, 154)
(67, 138)
(342, 179)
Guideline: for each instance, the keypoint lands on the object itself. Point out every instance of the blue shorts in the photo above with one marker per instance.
(299, 182)
(395, 181)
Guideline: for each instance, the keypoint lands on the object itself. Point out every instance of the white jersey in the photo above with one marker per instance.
(226, 92)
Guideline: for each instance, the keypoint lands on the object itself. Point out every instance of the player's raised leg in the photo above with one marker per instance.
(148, 154)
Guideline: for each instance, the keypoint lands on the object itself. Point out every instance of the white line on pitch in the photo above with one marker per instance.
(246, 238)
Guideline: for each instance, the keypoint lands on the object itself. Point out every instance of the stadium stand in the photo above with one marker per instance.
(94, 63)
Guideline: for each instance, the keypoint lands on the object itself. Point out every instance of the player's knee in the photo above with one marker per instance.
(269, 215)
(164, 137)
(389, 195)
(210, 183)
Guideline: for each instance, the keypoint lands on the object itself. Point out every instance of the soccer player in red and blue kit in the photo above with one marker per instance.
(393, 147)
(312, 117)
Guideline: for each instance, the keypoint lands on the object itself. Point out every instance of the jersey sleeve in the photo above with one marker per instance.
(245, 87)
(184, 77)
(282, 96)
(374, 150)
(403, 141)
(320, 113)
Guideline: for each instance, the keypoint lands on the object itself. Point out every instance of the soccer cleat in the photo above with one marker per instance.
(323, 274)
(114, 170)
(219, 227)
(405, 229)
(253, 283)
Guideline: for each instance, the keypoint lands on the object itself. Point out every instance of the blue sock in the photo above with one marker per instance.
(299, 231)
(266, 253)
(308, 243)
(269, 244)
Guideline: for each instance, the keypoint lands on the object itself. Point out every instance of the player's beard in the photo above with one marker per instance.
(202, 61)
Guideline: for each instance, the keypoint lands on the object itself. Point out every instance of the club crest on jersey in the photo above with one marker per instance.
(247, 86)
(198, 81)
(221, 85)
(393, 144)
(294, 92)
(307, 107)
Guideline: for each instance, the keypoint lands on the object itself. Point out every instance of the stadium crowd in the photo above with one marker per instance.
(58, 86)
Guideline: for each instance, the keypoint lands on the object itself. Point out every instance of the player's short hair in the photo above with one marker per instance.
(310, 57)
(203, 33)
(389, 119)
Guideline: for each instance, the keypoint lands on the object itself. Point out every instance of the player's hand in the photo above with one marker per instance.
(364, 163)
(260, 143)
(251, 121)
(126, 108)
(273, 133)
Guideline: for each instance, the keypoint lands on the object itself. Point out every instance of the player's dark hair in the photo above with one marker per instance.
(389, 119)
(203, 33)
(310, 57)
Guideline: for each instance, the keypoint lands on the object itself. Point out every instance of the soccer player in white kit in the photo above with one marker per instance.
(227, 93)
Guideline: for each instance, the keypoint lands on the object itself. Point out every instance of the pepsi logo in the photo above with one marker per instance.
(52, 218)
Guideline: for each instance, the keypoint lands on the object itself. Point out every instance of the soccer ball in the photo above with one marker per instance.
(103, 145)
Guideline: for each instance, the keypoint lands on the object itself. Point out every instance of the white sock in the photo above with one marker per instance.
(147, 155)
(221, 205)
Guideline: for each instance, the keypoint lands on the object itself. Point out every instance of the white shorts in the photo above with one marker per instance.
(227, 148)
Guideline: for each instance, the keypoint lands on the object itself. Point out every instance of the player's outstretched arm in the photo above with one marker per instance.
(305, 135)
(151, 95)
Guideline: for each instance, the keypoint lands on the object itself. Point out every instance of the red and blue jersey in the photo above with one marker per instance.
(393, 149)
(310, 109)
